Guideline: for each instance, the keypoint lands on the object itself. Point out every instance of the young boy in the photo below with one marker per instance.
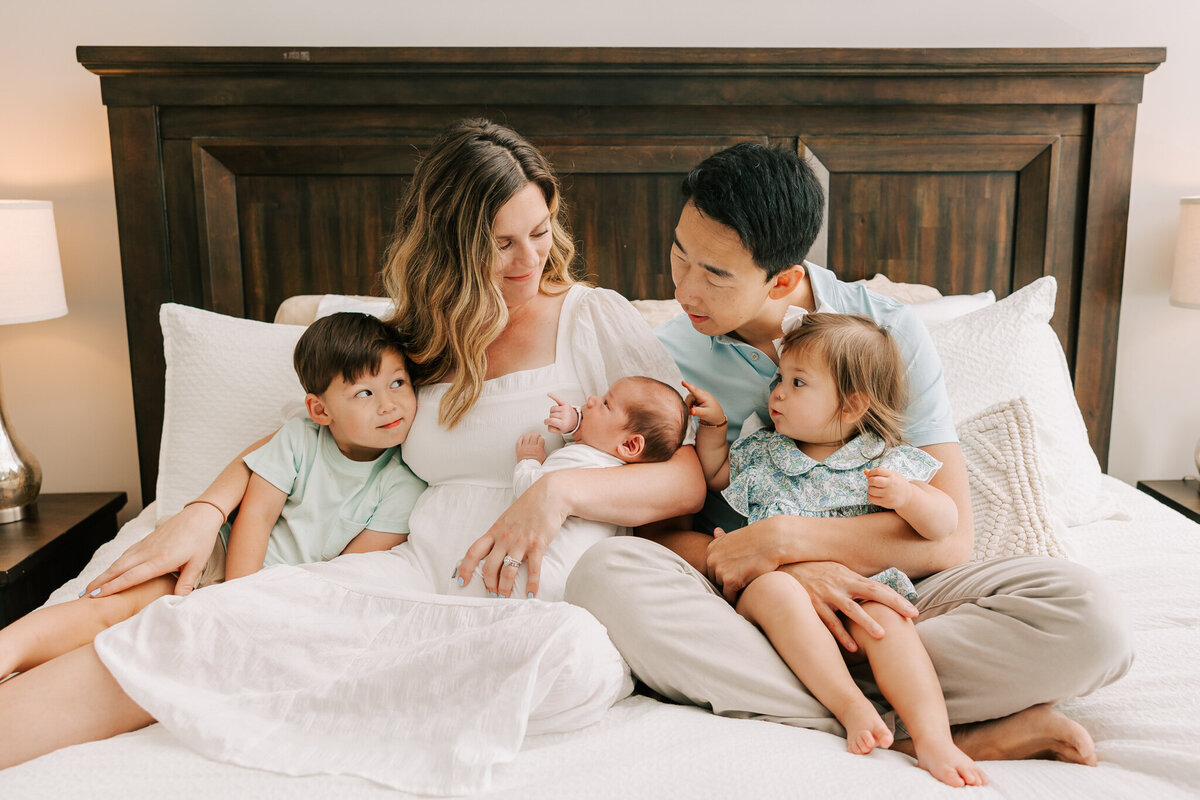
(637, 420)
(326, 484)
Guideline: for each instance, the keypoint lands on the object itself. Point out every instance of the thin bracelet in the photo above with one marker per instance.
(724, 421)
(578, 421)
(221, 511)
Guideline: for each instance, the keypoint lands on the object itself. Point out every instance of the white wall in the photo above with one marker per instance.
(66, 381)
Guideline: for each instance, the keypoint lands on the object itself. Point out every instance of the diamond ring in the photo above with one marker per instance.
(509, 561)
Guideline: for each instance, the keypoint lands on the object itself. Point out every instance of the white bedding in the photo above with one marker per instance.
(1143, 725)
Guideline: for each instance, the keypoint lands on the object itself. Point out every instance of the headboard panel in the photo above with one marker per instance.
(245, 175)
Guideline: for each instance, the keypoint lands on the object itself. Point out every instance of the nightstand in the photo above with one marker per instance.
(39, 554)
(1180, 495)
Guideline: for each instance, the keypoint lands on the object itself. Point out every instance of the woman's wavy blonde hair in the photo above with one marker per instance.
(439, 269)
(864, 359)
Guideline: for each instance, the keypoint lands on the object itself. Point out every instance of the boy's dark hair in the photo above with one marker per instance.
(770, 197)
(347, 344)
(663, 434)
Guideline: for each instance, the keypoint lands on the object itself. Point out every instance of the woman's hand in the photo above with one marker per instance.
(836, 589)
(183, 542)
(523, 533)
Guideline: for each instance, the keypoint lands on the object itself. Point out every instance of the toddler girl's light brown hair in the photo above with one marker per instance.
(864, 359)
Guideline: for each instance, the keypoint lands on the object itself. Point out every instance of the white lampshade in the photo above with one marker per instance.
(1185, 286)
(31, 286)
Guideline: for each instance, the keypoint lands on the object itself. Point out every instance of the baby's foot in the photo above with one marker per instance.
(865, 729)
(944, 761)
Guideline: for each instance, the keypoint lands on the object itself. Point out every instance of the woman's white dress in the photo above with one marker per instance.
(354, 665)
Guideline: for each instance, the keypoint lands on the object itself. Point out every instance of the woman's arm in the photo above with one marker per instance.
(183, 542)
(251, 530)
(629, 495)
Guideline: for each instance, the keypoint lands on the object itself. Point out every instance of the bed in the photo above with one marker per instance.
(245, 176)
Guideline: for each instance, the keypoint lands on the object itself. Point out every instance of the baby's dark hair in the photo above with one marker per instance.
(864, 359)
(662, 432)
(348, 344)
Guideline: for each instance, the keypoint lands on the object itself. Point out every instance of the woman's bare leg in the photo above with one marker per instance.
(69, 700)
(55, 630)
(779, 605)
(906, 677)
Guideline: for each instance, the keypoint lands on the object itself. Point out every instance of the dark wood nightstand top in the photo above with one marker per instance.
(56, 514)
(1181, 495)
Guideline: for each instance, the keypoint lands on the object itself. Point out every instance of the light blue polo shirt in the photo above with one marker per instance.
(739, 375)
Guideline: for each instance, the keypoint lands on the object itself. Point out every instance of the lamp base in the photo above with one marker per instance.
(16, 513)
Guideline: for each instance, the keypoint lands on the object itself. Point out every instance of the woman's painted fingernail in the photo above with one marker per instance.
(94, 593)
(492, 594)
(461, 582)
(503, 597)
(81, 591)
(529, 596)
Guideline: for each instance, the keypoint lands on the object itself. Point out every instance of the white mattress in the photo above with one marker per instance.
(1143, 725)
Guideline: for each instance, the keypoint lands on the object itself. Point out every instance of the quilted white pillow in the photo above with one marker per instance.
(229, 382)
(999, 445)
(1008, 350)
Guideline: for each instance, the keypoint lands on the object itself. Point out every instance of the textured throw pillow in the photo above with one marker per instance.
(1008, 350)
(1008, 497)
(229, 382)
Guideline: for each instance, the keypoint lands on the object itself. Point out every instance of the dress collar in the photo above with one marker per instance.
(853, 455)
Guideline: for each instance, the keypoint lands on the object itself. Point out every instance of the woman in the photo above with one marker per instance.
(479, 274)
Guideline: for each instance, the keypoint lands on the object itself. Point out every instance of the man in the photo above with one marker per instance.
(1008, 637)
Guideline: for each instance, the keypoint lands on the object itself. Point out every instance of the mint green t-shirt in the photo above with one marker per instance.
(331, 499)
(740, 375)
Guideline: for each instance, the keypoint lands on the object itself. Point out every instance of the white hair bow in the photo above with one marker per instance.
(793, 317)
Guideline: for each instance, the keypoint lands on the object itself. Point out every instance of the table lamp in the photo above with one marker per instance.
(1185, 285)
(31, 289)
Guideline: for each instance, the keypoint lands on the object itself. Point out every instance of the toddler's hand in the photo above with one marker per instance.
(531, 445)
(888, 488)
(703, 406)
(563, 417)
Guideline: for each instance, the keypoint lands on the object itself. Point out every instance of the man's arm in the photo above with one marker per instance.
(865, 544)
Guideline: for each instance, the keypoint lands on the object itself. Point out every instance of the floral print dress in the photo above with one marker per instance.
(769, 475)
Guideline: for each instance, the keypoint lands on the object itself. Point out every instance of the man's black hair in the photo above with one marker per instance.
(770, 197)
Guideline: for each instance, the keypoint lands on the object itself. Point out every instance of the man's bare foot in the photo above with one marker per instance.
(865, 729)
(948, 764)
(1038, 732)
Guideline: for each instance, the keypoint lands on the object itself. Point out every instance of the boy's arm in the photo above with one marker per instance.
(368, 541)
(252, 527)
(929, 510)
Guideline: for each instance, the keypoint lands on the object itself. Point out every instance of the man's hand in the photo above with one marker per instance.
(531, 445)
(887, 488)
(738, 557)
(836, 589)
(563, 417)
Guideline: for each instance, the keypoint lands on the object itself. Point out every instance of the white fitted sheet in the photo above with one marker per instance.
(1143, 724)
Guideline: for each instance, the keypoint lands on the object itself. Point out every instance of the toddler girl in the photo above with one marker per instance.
(836, 451)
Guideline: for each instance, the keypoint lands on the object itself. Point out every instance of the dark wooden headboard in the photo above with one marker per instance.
(245, 175)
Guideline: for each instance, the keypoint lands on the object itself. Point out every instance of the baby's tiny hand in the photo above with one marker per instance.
(887, 488)
(531, 445)
(563, 417)
(703, 406)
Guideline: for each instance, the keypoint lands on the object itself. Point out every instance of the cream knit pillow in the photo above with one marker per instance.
(1008, 496)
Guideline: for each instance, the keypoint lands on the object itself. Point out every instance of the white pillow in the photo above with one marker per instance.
(229, 382)
(999, 445)
(1009, 350)
(944, 309)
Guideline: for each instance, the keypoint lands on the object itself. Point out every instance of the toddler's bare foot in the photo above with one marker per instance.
(948, 764)
(865, 729)
(1038, 732)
